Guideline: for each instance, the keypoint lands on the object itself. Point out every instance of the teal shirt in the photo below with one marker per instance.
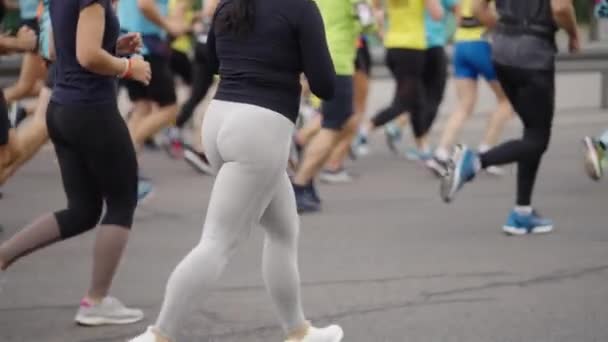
(28, 9)
(437, 30)
(132, 19)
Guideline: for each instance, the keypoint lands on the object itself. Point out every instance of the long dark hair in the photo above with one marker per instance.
(237, 16)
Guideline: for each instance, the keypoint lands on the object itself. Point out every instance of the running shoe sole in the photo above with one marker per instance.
(193, 160)
(98, 321)
(592, 163)
(509, 230)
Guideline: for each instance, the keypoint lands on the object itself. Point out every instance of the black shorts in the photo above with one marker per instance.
(363, 59)
(161, 89)
(5, 124)
(338, 110)
(181, 66)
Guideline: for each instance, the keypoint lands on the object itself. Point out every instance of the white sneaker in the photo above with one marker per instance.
(109, 311)
(335, 177)
(148, 336)
(495, 170)
(332, 333)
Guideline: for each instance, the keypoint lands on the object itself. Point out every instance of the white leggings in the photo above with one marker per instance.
(248, 146)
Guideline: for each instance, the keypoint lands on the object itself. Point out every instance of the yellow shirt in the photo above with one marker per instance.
(471, 33)
(406, 28)
(183, 43)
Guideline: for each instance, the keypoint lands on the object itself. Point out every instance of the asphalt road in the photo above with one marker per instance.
(386, 259)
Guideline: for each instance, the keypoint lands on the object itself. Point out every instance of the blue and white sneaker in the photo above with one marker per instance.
(392, 133)
(144, 189)
(464, 167)
(360, 145)
(414, 154)
(523, 224)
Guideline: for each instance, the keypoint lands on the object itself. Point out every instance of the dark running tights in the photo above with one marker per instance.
(202, 80)
(421, 78)
(98, 164)
(532, 94)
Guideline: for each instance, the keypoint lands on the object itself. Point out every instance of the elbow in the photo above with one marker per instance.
(86, 59)
(437, 14)
(142, 4)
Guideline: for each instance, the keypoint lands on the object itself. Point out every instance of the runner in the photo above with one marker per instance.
(472, 58)
(406, 44)
(524, 57)
(32, 67)
(96, 156)
(154, 105)
(343, 29)
(262, 48)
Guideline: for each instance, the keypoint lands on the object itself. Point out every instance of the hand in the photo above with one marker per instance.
(140, 70)
(26, 39)
(129, 43)
(574, 44)
(176, 28)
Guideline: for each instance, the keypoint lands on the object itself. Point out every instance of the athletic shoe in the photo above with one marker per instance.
(392, 133)
(415, 154)
(144, 189)
(522, 224)
(148, 336)
(340, 176)
(462, 170)
(332, 333)
(313, 191)
(495, 171)
(594, 155)
(109, 311)
(198, 161)
(437, 166)
(360, 145)
(305, 200)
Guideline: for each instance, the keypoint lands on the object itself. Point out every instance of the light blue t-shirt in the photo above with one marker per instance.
(28, 9)
(45, 31)
(133, 20)
(437, 31)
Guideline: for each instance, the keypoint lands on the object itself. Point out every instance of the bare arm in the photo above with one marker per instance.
(563, 13)
(435, 9)
(151, 12)
(485, 14)
(209, 7)
(89, 37)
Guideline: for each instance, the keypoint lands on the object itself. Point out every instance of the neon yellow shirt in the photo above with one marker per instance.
(406, 28)
(341, 30)
(464, 34)
(183, 43)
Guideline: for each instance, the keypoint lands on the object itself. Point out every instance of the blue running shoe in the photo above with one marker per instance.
(523, 224)
(392, 133)
(463, 169)
(144, 189)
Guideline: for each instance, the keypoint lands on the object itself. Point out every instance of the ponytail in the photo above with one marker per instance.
(238, 17)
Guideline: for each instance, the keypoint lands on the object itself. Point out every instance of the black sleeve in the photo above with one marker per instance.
(317, 63)
(214, 63)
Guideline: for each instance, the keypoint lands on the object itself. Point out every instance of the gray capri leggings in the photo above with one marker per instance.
(248, 146)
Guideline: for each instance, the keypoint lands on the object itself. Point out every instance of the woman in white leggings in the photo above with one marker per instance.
(262, 47)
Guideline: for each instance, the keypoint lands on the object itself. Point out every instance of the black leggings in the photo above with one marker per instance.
(407, 67)
(5, 124)
(203, 78)
(434, 80)
(532, 94)
(97, 162)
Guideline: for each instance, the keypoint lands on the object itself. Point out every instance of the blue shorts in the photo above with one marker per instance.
(338, 110)
(472, 59)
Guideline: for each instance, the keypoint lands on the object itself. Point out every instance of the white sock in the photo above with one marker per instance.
(442, 154)
(364, 130)
(523, 209)
(483, 148)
